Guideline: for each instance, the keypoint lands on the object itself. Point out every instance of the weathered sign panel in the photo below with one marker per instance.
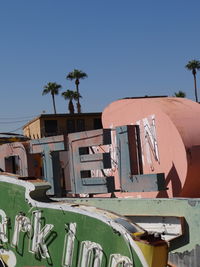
(35, 231)
(177, 219)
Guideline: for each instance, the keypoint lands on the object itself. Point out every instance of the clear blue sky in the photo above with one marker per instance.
(127, 48)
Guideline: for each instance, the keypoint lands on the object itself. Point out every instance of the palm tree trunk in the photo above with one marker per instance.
(71, 107)
(77, 90)
(78, 107)
(54, 105)
(195, 88)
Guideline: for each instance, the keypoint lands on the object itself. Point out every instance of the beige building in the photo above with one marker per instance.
(58, 124)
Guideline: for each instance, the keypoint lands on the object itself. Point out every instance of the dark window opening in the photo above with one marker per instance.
(80, 125)
(12, 164)
(86, 174)
(83, 150)
(70, 126)
(97, 124)
(51, 127)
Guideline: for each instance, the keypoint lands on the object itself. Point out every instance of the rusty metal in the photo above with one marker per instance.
(129, 164)
(49, 149)
(81, 162)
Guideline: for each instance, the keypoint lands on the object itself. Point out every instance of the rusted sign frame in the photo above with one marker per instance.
(81, 161)
(49, 149)
(127, 143)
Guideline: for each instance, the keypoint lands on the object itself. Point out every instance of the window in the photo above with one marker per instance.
(51, 127)
(70, 126)
(97, 123)
(80, 125)
(12, 164)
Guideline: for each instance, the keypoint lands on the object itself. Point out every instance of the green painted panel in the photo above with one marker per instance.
(36, 231)
(187, 208)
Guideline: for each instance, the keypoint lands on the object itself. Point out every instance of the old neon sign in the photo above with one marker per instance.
(89, 251)
(29, 232)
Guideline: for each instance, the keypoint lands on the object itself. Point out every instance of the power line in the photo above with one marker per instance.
(15, 130)
(13, 122)
(8, 122)
(20, 128)
(19, 118)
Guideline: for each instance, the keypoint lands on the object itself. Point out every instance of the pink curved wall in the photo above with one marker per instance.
(170, 138)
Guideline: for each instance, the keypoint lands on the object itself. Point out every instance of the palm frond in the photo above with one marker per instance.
(180, 94)
(52, 88)
(69, 94)
(193, 64)
(76, 74)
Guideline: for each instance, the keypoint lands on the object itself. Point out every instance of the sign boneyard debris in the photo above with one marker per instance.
(35, 231)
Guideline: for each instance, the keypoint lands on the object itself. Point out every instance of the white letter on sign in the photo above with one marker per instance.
(22, 224)
(3, 227)
(38, 242)
(91, 254)
(151, 139)
(69, 246)
(119, 260)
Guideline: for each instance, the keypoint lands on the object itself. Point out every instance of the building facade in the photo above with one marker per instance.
(57, 124)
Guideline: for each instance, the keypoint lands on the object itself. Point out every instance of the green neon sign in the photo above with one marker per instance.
(34, 231)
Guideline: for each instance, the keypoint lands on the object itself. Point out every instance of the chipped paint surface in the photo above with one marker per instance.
(176, 153)
(186, 259)
(33, 222)
(184, 250)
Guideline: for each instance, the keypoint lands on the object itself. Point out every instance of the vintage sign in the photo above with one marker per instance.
(35, 231)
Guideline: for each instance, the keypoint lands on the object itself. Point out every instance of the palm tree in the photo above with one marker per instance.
(71, 95)
(53, 89)
(77, 96)
(194, 65)
(77, 75)
(180, 94)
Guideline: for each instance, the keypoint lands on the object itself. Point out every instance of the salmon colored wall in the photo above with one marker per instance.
(177, 134)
